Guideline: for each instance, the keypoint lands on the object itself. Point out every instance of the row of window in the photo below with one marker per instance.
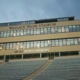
(17, 23)
(29, 22)
(44, 43)
(21, 23)
(38, 31)
(3, 24)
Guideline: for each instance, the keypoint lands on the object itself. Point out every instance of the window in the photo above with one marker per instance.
(11, 46)
(63, 29)
(46, 43)
(52, 30)
(8, 33)
(74, 28)
(70, 28)
(60, 42)
(2, 34)
(28, 44)
(5, 34)
(35, 31)
(71, 41)
(66, 29)
(78, 40)
(3, 24)
(59, 29)
(38, 31)
(59, 20)
(53, 42)
(42, 43)
(62, 19)
(32, 44)
(21, 32)
(64, 42)
(32, 22)
(49, 30)
(16, 23)
(38, 44)
(57, 42)
(42, 32)
(8, 46)
(31, 31)
(35, 43)
(25, 45)
(18, 45)
(49, 43)
(27, 22)
(18, 33)
(14, 45)
(11, 34)
(45, 30)
(15, 33)
(75, 40)
(4, 46)
(28, 32)
(78, 27)
(21, 44)
(56, 29)
(68, 41)
(25, 32)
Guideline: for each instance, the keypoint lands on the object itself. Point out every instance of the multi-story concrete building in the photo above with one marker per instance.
(40, 38)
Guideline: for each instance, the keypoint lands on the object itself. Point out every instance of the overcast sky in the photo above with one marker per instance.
(23, 10)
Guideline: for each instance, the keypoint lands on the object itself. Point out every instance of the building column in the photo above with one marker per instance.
(22, 56)
(40, 55)
(4, 58)
(59, 54)
(79, 53)
(9, 57)
(54, 53)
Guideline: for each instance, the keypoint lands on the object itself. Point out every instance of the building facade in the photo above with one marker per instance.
(40, 38)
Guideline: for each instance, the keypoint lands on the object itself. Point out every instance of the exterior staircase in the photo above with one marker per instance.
(30, 77)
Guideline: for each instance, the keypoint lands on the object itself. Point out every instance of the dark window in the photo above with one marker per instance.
(70, 28)
(78, 27)
(49, 30)
(74, 28)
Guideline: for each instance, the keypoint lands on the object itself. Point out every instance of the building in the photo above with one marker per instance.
(40, 38)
